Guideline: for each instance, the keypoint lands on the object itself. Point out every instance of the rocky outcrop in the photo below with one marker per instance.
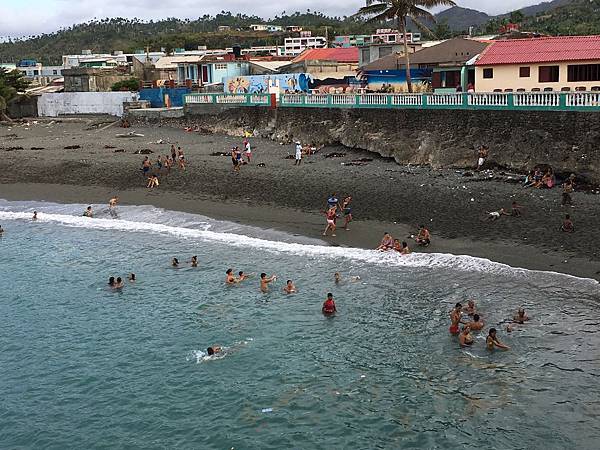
(518, 140)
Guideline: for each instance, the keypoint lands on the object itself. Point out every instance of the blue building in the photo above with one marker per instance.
(201, 70)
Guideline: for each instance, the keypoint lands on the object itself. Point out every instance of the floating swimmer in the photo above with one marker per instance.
(119, 283)
(215, 349)
(175, 262)
(88, 212)
(289, 287)
(194, 261)
(131, 277)
(521, 317)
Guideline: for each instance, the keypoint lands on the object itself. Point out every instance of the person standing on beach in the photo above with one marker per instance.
(347, 210)
(298, 153)
(332, 201)
(173, 153)
(146, 164)
(330, 216)
(567, 191)
(181, 158)
(248, 150)
(264, 282)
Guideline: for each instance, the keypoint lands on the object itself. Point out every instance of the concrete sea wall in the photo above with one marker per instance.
(53, 105)
(518, 140)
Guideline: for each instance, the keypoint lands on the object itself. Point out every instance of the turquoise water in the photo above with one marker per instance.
(85, 367)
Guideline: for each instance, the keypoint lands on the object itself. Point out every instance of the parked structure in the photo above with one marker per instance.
(565, 63)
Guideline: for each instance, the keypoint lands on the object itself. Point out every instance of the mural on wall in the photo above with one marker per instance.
(259, 84)
(395, 80)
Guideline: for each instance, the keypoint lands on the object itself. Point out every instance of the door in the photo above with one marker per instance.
(204, 78)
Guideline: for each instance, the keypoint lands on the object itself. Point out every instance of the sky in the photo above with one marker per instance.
(29, 17)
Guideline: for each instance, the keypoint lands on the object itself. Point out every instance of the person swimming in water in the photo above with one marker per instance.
(229, 277)
(455, 316)
(289, 287)
(492, 341)
(521, 317)
(131, 277)
(338, 278)
(175, 262)
(264, 281)
(242, 276)
(329, 305)
(214, 350)
(194, 261)
(465, 338)
(476, 324)
(1, 230)
(111, 282)
(34, 215)
(119, 283)
(88, 212)
(470, 308)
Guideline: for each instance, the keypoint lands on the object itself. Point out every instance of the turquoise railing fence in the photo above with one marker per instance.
(229, 99)
(549, 101)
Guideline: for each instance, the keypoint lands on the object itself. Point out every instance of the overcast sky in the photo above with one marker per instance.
(28, 17)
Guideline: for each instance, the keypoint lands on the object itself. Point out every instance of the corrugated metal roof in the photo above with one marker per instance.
(541, 50)
(348, 55)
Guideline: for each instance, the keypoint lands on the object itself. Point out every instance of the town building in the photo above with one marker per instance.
(93, 79)
(381, 36)
(293, 29)
(565, 63)
(207, 70)
(223, 28)
(374, 52)
(293, 46)
(259, 27)
(445, 66)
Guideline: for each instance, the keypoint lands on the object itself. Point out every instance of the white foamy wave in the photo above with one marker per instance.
(414, 260)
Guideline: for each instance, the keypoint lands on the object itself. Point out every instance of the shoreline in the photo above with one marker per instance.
(363, 234)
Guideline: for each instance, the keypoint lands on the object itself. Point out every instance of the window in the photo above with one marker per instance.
(583, 72)
(488, 73)
(366, 55)
(549, 74)
(55, 72)
(524, 72)
(384, 51)
(220, 66)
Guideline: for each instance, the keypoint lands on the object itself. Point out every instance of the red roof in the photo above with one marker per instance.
(541, 50)
(344, 55)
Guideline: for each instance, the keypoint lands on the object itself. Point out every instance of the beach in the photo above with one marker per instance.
(453, 204)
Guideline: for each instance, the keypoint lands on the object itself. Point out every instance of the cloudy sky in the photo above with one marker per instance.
(27, 17)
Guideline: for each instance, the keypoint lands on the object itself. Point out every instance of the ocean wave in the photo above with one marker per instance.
(157, 221)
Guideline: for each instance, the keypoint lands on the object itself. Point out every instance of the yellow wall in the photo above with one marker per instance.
(507, 77)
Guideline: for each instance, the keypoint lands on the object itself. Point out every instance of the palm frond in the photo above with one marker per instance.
(386, 15)
(432, 3)
(421, 26)
(372, 10)
(415, 11)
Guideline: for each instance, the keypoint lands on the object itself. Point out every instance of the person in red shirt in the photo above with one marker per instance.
(329, 305)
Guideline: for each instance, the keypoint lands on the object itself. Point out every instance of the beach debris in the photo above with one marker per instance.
(10, 149)
(119, 150)
(131, 134)
(144, 151)
(467, 174)
(363, 160)
(72, 147)
(266, 410)
(159, 142)
(356, 163)
(11, 136)
(289, 157)
(220, 154)
(37, 148)
(261, 165)
(335, 155)
(109, 146)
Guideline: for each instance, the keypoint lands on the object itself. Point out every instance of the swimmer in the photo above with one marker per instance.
(242, 276)
(174, 262)
(34, 215)
(88, 212)
(111, 282)
(455, 315)
(113, 202)
(131, 277)
(477, 324)
(465, 338)
(289, 287)
(329, 305)
(470, 308)
(119, 283)
(405, 249)
(194, 261)
(1, 230)
(492, 341)
(229, 278)
(338, 278)
(214, 350)
(521, 317)
(264, 281)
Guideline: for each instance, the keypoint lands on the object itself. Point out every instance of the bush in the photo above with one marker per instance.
(133, 84)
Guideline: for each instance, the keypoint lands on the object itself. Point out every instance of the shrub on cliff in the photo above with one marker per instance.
(133, 84)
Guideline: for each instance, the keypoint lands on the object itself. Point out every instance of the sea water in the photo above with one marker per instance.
(84, 366)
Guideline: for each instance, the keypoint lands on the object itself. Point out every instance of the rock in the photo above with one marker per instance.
(144, 151)
(72, 147)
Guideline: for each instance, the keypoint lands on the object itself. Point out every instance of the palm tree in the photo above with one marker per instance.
(400, 10)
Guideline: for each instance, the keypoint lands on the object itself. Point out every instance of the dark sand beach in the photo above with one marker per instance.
(387, 197)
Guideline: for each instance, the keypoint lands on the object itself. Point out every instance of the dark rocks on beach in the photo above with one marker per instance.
(72, 147)
(144, 151)
(119, 150)
(10, 149)
(289, 157)
(261, 165)
(37, 148)
(109, 146)
(335, 155)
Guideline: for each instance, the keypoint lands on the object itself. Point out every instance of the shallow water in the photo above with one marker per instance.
(83, 366)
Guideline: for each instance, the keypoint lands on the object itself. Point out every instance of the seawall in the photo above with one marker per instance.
(518, 140)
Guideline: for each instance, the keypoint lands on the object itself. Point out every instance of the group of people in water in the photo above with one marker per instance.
(471, 321)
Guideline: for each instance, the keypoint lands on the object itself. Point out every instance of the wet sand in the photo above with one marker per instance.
(387, 197)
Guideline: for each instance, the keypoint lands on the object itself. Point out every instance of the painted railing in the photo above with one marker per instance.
(229, 99)
(565, 101)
